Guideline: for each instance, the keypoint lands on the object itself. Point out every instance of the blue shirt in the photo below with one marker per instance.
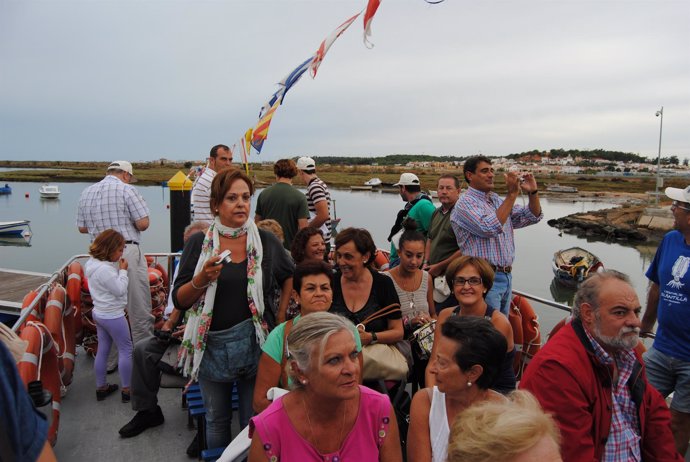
(25, 427)
(669, 270)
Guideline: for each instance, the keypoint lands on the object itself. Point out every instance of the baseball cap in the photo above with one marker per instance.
(408, 179)
(125, 167)
(677, 194)
(306, 163)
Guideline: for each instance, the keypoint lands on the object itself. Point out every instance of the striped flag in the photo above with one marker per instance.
(260, 132)
(326, 44)
(372, 6)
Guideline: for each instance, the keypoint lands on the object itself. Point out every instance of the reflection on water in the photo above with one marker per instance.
(561, 293)
(17, 241)
(56, 237)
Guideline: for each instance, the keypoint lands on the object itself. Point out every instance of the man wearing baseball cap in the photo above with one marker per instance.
(318, 198)
(418, 206)
(113, 203)
(668, 301)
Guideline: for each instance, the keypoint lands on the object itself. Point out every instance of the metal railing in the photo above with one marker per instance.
(544, 301)
(60, 275)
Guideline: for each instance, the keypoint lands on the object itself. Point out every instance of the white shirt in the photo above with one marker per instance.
(108, 287)
(201, 197)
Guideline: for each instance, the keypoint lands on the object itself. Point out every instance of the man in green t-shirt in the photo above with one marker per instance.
(283, 203)
(418, 207)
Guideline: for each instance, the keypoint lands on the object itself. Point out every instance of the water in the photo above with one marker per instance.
(55, 237)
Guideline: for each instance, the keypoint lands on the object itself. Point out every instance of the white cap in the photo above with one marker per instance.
(306, 163)
(408, 179)
(125, 167)
(677, 194)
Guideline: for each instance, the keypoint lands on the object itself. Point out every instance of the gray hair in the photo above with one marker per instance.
(589, 290)
(194, 227)
(309, 337)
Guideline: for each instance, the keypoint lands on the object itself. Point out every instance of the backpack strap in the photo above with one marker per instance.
(283, 360)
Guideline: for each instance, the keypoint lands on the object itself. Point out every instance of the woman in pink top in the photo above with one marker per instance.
(328, 416)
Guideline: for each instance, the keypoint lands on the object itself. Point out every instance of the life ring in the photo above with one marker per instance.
(515, 318)
(36, 311)
(53, 320)
(75, 273)
(40, 362)
(530, 333)
(381, 260)
(155, 280)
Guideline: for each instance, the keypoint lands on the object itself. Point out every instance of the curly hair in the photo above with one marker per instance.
(285, 168)
(106, 244)
(298, 250)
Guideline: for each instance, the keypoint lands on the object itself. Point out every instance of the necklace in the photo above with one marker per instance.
(311, 431)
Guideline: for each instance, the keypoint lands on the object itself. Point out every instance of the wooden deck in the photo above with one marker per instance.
(15, 284)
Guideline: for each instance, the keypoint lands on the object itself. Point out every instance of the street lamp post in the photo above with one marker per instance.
(659, 113)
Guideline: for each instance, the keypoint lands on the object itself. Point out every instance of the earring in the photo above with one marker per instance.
(304, 382)
(216, 210)
(469, 384)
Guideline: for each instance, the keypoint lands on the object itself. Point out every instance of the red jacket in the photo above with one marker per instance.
(575, 387)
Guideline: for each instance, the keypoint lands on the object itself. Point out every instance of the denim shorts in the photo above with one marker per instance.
(231, 354)
(668, 374)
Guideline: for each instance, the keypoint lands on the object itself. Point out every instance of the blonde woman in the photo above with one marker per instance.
(511, 430)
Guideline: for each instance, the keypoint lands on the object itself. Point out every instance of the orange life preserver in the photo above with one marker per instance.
(531, 334)
(75, 273)
(37, 310)
(40, 362)
(53, 320)
(515, 318)
(155, 280)
(381, 260)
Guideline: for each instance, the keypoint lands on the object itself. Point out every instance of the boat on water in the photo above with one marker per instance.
(374, 182)
(15, 228)
(574, 265)
(5, 189)
(49, 191)
(361, 188)
(15, 240)
(556, 188)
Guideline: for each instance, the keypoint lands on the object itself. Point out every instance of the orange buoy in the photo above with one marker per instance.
(40, 362)
(73, 286)
(531, 334)
(36, 310)
(515, 318)
(52, 318)
(381, 260)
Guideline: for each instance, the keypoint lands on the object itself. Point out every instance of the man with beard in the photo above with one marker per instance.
(668, 361)
(591, 378)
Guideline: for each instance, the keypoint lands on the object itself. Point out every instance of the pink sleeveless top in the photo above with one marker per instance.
(282, 442)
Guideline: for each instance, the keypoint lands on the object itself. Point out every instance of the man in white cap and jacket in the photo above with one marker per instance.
(668, 302)
(113, 203)
(418, 207)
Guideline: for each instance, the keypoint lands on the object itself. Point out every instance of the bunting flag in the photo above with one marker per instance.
(260, 132)
(326, 44)
(372, 6)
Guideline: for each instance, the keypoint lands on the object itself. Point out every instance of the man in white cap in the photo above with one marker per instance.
(668, 301)
(318, 198)
(113, 203)
(219, 158)
(418, 207)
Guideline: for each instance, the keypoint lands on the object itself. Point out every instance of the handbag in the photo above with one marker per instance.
(423, 339)
(381, 361)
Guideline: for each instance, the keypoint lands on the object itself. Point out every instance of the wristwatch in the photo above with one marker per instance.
(536, 191)
(374, 339)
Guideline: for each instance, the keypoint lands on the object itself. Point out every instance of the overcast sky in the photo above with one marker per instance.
(140, 80)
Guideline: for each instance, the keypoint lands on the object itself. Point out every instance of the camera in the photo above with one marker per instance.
(225, 257)
(165, 336)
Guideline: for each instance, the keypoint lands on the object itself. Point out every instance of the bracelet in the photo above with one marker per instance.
(199, 288)
(536, 191)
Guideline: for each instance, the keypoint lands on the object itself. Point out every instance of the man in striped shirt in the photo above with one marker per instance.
(483, 222)
(318, 198)
(220, 158)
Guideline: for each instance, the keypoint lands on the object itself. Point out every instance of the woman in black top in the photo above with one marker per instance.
(359, 291)
(230, 302)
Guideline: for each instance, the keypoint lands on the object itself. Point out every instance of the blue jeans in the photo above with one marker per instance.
(501, 292)
(231, 355)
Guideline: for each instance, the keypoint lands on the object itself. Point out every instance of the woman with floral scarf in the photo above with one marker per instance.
(230, 304)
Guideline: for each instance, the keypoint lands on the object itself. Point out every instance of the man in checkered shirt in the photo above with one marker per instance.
(113, 203)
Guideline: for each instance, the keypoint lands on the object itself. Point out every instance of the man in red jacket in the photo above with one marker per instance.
(593, 382)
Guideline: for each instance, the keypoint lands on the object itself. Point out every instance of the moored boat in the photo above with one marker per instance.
(15, 228)
(561, 189)
(374, 182)
(574, 265)
(49, 191)
(5, 189)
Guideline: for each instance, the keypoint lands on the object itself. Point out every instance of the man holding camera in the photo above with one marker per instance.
(483, 222)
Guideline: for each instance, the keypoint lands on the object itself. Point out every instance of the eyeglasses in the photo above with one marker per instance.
(680, 205)
(473, 281)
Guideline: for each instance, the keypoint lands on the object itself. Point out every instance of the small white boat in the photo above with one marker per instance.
(15, 228)
(574, 265)
(49, 191)
(561, 189)
(374, 182)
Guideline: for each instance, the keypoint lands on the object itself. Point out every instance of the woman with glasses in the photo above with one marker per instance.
(470, 279)
(468, 357)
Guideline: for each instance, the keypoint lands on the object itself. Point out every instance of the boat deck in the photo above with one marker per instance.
(15, 285)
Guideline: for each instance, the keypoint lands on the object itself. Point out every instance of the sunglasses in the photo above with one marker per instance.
(680, 205)
(473, 281)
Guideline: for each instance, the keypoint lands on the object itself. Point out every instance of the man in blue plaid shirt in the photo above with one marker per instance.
(113, 203)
